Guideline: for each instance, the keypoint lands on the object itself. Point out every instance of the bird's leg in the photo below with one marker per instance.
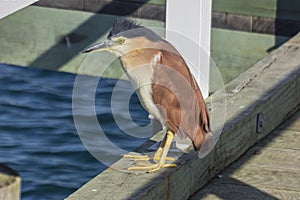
(156, 157)
(166, 148)
(159, 151)
(163, 155)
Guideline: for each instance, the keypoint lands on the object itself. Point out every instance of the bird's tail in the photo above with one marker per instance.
(204, 143)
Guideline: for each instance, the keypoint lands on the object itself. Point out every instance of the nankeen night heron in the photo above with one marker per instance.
(164, 84)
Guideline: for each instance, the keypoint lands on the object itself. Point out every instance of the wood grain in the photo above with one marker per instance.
(269, 170)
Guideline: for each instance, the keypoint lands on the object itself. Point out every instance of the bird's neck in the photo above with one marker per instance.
(137, 58)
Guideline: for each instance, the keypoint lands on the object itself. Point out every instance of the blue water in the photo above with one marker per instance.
(37, 132)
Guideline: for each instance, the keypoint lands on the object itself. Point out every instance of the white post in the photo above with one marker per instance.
(188, 28)
(10, 6)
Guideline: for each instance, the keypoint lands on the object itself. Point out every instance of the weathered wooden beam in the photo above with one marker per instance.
(232, 50)
(281, 9)
(149, 9)
(269, 170)
(56, 44)
(10, 184)
(255, 24)
(271, 87)
(276, 17)
(52, 39)
(155, 9)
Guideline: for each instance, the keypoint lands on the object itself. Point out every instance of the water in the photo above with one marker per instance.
(38, 136)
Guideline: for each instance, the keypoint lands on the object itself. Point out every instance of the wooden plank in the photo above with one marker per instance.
(251, 87)
(266, 8)
(157, 2)
(255, 87)
(293, 124)
(43, 42)
(242, 43)
(70, 4)
(236, 192)
(256, 24)
(261, 177)
(272, 158)
(148, 9)
(275, 26)
(230, 66)
(232, 21)
(235, 51)
(282, 139)
(10, 184)
(264, 181)
(244, 178)
(11, 190)
(232, 51)
(282, 9)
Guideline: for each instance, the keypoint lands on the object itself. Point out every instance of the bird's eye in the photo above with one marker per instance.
(121, 40)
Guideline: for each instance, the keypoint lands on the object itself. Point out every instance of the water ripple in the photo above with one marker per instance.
(37, 133)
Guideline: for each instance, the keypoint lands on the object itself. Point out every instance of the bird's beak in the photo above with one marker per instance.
(102, 46)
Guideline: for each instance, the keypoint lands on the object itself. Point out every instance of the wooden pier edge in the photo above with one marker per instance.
(271, 88)
(10, 184)
(260, 17)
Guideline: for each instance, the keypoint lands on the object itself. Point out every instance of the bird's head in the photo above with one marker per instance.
(124, 36)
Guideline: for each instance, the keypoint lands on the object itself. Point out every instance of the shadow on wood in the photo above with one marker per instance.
(270, 167)
(86, 33)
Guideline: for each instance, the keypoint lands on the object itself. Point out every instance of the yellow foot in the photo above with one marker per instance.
(167, 158)
(164, 166)
(137, 157)
(150, 167)
(146, 158)
(157, 155)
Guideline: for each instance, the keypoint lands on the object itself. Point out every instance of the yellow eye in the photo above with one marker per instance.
(121, 40)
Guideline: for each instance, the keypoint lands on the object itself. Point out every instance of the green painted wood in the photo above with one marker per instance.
(37, 37)
(265, 8)
(230, 65)
(235, 51)
(282, 9)
(155, 2)
(244, 43)
(43, 43)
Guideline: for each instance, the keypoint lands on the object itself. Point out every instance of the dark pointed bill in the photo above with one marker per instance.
(102, 46)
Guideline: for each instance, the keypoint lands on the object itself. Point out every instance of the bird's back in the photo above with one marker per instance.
(179, 98)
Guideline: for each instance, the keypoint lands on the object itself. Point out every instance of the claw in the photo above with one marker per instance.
(167, 158)
(160, 156)
(164, 166)
(151, 168)
(137, 157)
(146, 158)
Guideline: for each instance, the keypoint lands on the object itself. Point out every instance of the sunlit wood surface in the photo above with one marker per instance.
(269, 170)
